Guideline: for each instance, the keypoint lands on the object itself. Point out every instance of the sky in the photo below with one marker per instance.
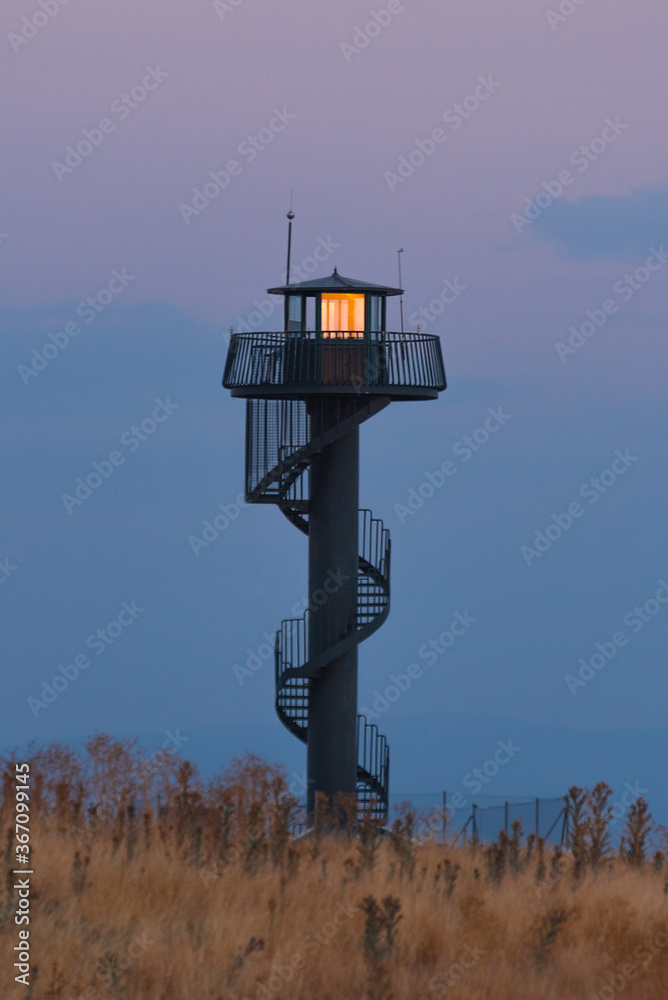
(515, 151)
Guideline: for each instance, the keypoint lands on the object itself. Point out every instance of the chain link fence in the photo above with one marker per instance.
(448, 819)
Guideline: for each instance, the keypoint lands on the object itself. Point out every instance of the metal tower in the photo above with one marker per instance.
(308, 389)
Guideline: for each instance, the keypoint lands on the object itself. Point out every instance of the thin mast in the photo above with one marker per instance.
(291, 216)
(401, 297)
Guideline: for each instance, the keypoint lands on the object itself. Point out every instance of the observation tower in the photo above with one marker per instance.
(307, 389)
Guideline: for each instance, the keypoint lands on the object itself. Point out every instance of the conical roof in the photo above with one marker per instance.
(335, 283)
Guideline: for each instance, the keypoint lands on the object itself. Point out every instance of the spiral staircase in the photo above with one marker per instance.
(281, 449)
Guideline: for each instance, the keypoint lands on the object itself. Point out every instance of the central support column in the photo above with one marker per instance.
(333, 550)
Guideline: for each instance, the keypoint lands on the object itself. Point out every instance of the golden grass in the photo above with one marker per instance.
(211, 899)
(152, 921)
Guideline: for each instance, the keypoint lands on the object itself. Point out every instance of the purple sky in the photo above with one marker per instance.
(343, 108)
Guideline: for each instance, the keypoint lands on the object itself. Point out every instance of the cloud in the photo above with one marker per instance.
(607, 227)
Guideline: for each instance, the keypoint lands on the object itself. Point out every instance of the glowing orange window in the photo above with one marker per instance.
(342, 314)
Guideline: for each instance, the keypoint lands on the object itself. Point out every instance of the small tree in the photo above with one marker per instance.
(382, 921)
(368, 839)
(401, 839)
(188, 799)
(600, 814)
(637, 831)
(576, 804)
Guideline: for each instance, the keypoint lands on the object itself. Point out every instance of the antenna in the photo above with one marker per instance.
(401, 297)
(291, 216)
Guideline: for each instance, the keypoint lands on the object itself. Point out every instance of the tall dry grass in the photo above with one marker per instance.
(211, 898)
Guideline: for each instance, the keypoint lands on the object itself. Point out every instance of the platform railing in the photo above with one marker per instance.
(313, 359)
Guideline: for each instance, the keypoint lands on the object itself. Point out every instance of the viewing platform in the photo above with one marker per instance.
(297, 364)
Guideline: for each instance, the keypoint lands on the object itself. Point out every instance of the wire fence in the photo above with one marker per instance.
(449, 819)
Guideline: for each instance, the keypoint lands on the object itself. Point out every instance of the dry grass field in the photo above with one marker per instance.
(210, 898)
